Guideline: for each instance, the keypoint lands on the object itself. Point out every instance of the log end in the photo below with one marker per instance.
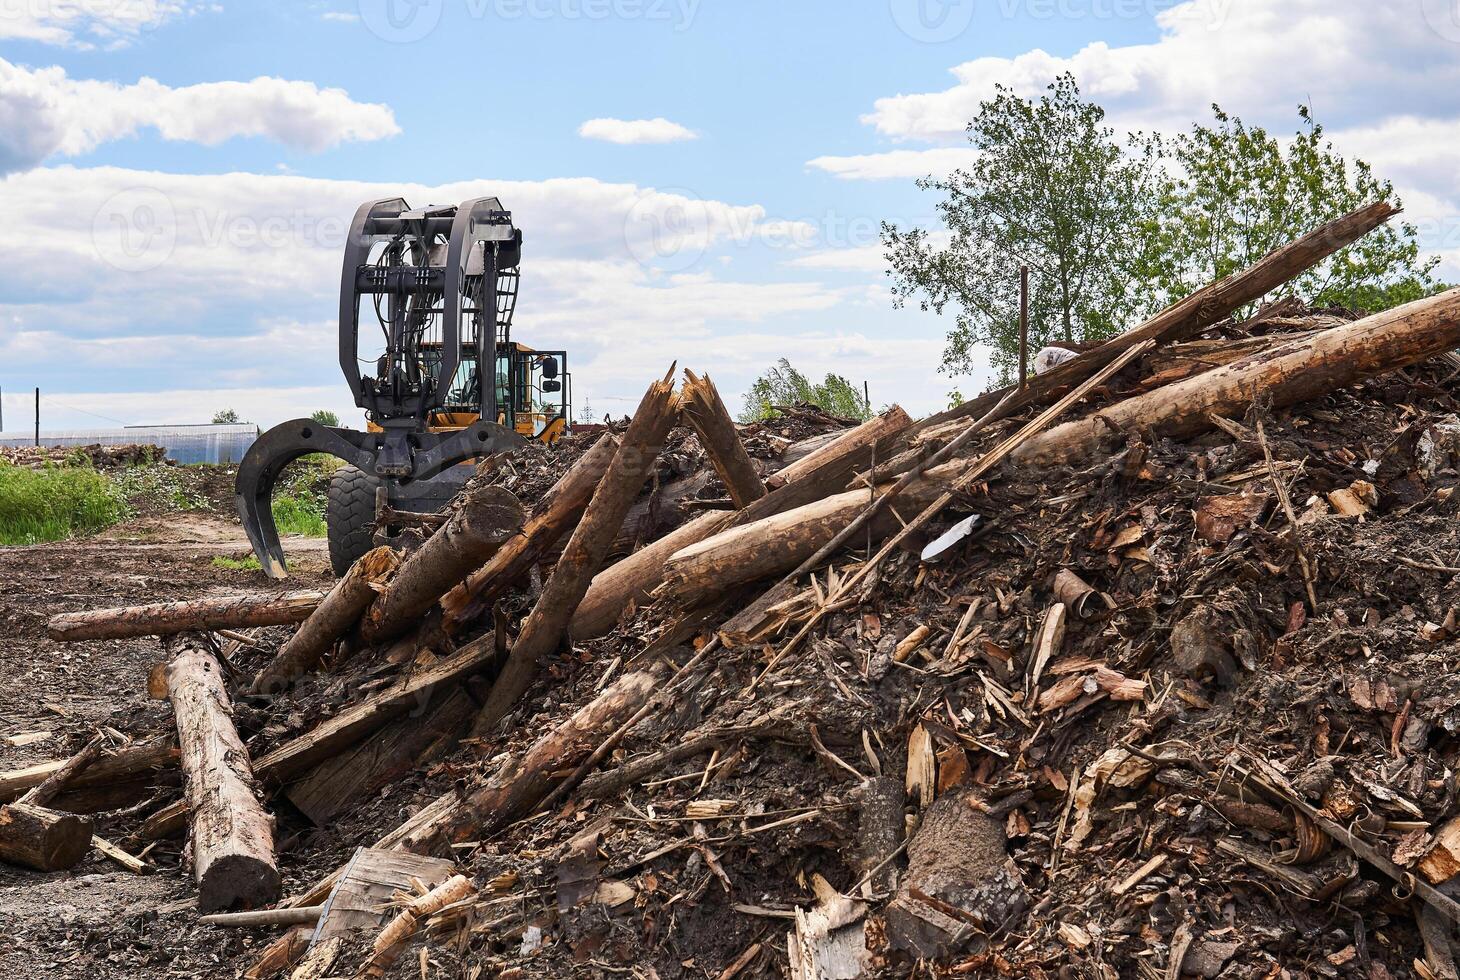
(238, 881)
(43, 839)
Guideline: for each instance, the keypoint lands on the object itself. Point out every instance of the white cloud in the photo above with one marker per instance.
(1259, 58)
(630, 131)
(45, 113)
(938, 162)
(89, 23)
(865, 258)
(1355, 61)
(340, 17)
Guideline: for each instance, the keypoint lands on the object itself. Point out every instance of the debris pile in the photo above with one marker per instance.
(1140, 670)
(98, 456)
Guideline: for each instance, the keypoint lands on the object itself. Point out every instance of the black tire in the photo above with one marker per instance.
(349, 516)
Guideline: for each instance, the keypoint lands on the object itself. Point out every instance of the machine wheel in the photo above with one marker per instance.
(349, 516)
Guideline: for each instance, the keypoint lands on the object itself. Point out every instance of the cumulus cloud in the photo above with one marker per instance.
(89, 23)
(895, 164)
(630, 131)
(1259, 58)
(45, 113)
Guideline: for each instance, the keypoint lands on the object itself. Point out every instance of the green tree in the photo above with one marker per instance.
(783, 385)
(1052, 189)
(1237, 192)
(325, 417)
(226, 416)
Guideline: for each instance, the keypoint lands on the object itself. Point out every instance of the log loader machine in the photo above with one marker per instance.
(442, 383)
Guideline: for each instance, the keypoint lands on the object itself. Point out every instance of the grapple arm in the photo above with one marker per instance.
(397, 454)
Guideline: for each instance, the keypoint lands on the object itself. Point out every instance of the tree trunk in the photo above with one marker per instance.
(848, 452)
(336, 616)
(822, 473)
(1289, 373)
(959, 878)
(716, 429)
(1188, 317)
(551, 517)
(485, 520)
(133, 763)
(624, 586)
(517, 788)
(586, 550)
(388, 755)
(780, 542)
(45, 840)
(232, 836)
(42, 793)
(410, 693)
(167, 618)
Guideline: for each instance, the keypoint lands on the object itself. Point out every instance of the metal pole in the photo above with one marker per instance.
(1023, 325)
(37, 416)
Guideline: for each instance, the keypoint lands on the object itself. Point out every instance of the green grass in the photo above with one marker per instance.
(299, 495)
(299, 515)
(249, 564)
(55, 503)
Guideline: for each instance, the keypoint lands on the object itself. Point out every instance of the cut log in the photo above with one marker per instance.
(518, 787)
(168, 618)
(133, 764)
(324, 744)
(1188, 317)
(232, 836)
(551, 517)
(336, 616)
(712, 423)
(306, 915)
(824, 472)
(959, 880)
(45, 840)
(854, 443)
(779, 543)
(586, 550)
(485, 520)
(386, 756)
(625, 585)
(410, 693)
(1290, 373)
(43, 793)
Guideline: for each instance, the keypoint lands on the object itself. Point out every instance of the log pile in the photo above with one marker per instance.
(1142, 670)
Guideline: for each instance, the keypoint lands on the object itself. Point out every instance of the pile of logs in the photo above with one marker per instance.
(727, 578)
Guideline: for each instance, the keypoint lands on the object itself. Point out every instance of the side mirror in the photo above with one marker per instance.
(550, 368)
(552, 386)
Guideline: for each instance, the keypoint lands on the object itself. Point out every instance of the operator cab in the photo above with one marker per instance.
(534, 393)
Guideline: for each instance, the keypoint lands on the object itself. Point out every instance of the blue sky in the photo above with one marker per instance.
(175, 172)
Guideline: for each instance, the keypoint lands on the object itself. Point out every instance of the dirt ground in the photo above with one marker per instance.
(99, 921)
